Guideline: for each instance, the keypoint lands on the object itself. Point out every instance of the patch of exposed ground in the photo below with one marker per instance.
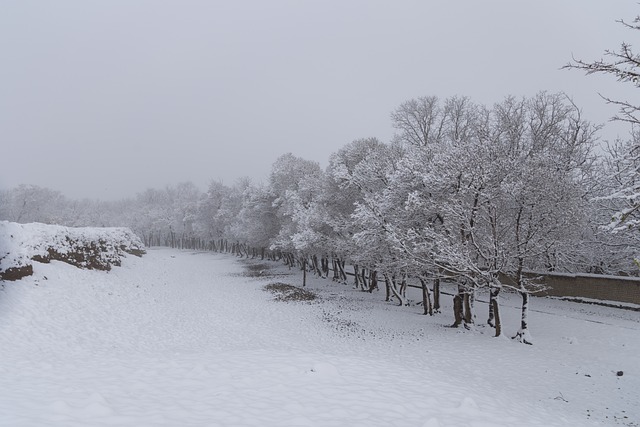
(259, 270)
(284, 292)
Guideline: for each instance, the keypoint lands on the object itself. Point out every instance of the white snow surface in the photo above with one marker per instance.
(179, 338)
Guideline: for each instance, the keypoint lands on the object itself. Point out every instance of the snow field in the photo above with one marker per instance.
(183, 339)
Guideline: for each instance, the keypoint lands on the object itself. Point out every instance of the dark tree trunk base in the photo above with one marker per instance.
(457, 311)
(524, 337)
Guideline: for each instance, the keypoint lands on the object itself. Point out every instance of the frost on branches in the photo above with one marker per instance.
(625, 170)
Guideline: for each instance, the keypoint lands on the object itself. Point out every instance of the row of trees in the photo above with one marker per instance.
(480, 195)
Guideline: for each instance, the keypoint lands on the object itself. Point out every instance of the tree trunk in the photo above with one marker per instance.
(436, 295)
(491, 321)
(373, 280)
(325, 266)
(365, 284)
(337, 270)
(314, 264)
(426, 298)
(468, 300)
(467, 308)
(457, 311)
(523, 334)
(396, 292)
(494, 312)
(387, 285)
(304, 271)
(343, 274)
(403, 289)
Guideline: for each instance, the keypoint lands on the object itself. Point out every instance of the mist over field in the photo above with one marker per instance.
(105, 100)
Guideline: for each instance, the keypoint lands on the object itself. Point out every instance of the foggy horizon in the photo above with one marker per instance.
(103, 101)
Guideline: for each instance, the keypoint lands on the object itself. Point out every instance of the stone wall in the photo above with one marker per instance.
(592, 286)
(610, 288)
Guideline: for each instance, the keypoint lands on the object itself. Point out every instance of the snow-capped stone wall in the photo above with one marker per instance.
(86, 247)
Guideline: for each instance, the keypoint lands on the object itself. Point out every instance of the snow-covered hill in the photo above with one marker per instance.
(187, 339)
(87, 247)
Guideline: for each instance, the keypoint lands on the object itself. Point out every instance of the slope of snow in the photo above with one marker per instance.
(20, 243)
(184, 339)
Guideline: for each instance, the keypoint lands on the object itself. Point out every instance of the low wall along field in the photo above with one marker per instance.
(586, 286)
(86, 247)
(609, 288)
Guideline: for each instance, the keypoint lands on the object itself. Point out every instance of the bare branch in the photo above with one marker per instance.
(624, 65)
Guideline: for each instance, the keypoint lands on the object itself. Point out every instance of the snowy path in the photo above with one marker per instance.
(182, 339)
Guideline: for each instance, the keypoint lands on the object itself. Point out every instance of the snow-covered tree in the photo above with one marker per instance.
(625, 172)
(619, 206)
(295, 183)
(31, 203)
(372, 218)
(211, 223)
(257, 223)
(547, 150)
(343, 191)
(624, 65)
(493, 200)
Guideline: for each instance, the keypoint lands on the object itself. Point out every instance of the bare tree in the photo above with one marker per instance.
(419, 121)
(624, 65)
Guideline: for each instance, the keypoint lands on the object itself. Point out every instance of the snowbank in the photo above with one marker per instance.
(90, 248)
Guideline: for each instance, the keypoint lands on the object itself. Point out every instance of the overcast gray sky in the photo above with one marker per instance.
(103, 99)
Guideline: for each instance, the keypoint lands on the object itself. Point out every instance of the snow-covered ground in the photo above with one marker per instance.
(179, 338)
(88, 247)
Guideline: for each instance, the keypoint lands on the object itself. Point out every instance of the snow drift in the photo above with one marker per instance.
(87, 247)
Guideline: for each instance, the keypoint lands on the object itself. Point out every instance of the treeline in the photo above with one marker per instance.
(464, 192)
